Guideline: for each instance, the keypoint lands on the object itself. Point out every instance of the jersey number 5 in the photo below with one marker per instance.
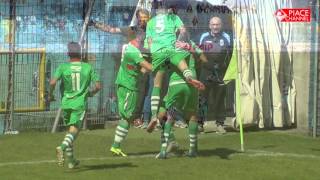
(160, 24)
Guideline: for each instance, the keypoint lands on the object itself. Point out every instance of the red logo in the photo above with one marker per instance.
(294, 15)
(130, 67)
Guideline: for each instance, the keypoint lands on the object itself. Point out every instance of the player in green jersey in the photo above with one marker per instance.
(161, 37)
(76, 77)
(181, 98)
(132, 63)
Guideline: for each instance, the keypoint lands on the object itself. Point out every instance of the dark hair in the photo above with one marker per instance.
(143, 11)
(74, 50)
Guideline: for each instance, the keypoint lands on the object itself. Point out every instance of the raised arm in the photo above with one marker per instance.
(106, 27)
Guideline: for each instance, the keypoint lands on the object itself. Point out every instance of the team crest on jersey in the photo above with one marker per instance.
(130, 67)
(221, 42)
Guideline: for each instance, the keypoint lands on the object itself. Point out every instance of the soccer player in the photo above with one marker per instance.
(161, 37)
(132, 64)
(181, 98)
(76, 77)
(130, 32)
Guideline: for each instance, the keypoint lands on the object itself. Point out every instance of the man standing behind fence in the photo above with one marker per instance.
(216, 45)
(76, 77)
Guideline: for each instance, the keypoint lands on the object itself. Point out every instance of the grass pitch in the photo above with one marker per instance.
(269, 155)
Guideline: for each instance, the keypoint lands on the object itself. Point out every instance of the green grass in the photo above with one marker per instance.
(269, 155)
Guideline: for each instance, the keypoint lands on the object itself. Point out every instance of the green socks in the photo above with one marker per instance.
(155, 101)
(193, 136)
(121, 133)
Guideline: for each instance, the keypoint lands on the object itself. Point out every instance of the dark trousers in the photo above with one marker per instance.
(147, 101)
(214, 98)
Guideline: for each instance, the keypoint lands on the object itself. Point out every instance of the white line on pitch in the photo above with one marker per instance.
(81, 159)
(249, 153)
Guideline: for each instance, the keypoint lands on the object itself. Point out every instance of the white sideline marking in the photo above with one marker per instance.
(249, 153)
(81, 159)
(259, 153)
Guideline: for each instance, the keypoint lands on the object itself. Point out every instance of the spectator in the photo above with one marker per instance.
(216, 46)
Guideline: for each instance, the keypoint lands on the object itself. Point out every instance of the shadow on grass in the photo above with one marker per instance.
(103, 167)
(313, 149)
(223, 153)
(148, 153)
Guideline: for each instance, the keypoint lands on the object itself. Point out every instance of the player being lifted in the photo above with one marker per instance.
(76, 77)
(132, 64)
(181, 98)
(161, 37)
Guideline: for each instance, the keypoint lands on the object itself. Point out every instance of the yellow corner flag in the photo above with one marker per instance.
(232, 74)
(232, 70)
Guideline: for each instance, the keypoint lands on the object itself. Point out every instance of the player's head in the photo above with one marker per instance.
(74, 50)
(215, 25)
(167, 6)
(170, 7)
(138, 41)
(143, 17)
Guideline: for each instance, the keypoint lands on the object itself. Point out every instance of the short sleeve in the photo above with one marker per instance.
(136, 56)
(58, 72)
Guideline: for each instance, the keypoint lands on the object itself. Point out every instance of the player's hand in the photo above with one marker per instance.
(183, 45)
(197, 84)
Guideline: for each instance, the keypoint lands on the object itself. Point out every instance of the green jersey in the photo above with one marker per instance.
(176, 77)
(162, 30)
(129, 70)
(76, 78)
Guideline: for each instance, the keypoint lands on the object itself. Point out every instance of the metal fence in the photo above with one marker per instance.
(47, 27)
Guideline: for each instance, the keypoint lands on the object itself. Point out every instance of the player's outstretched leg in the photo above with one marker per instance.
(121, 133)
